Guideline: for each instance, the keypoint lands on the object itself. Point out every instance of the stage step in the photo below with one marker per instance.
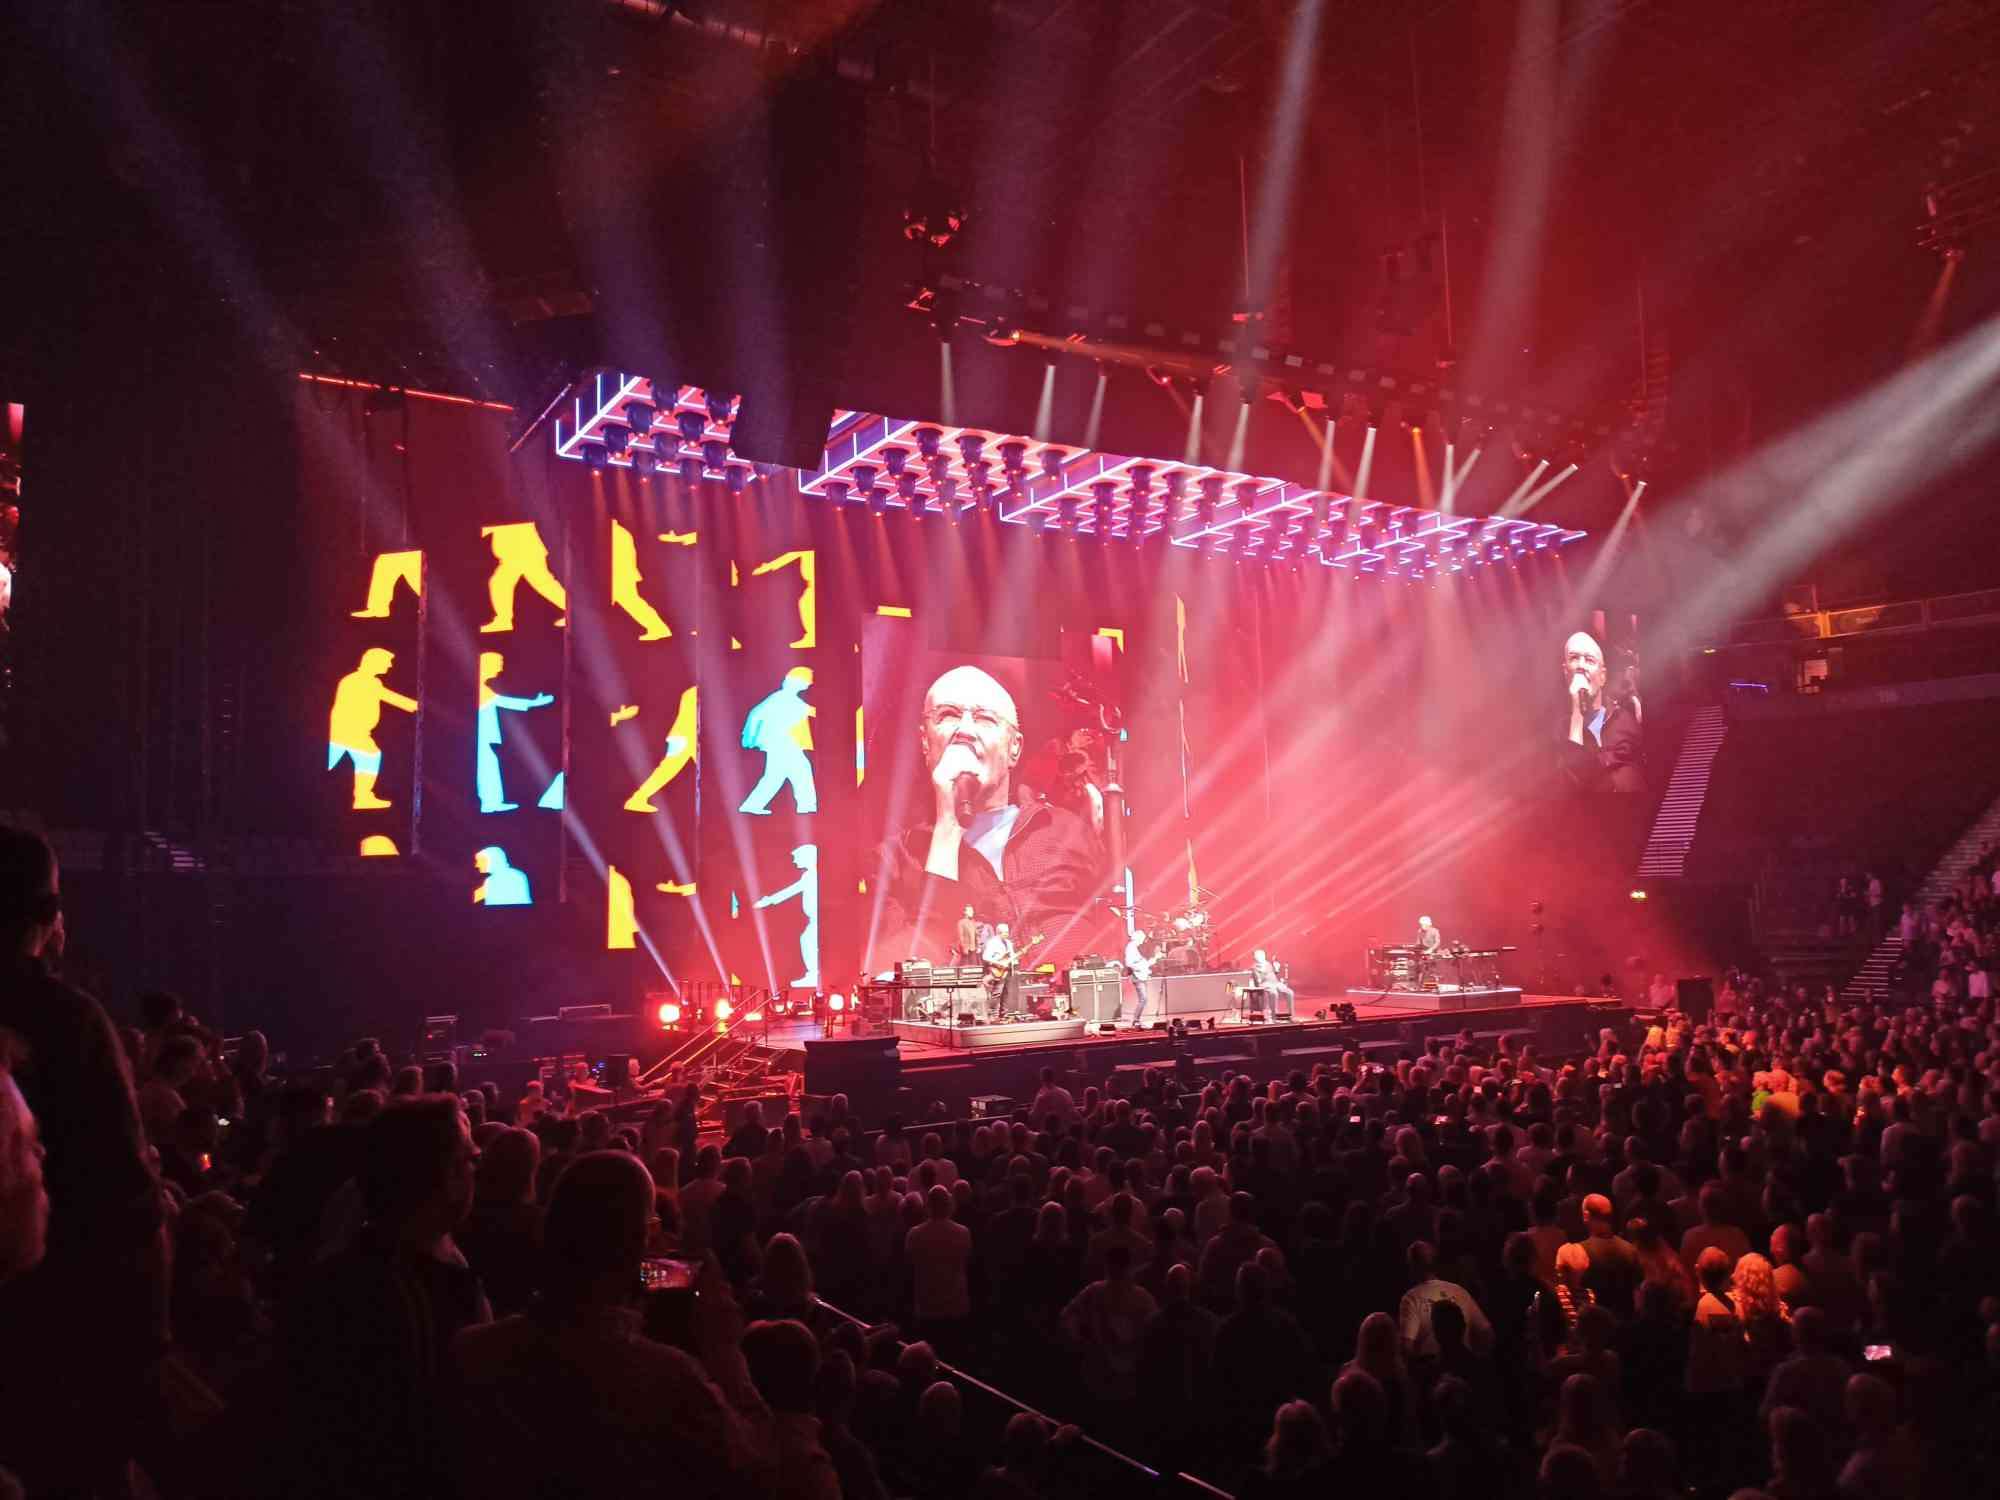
(1679, 817)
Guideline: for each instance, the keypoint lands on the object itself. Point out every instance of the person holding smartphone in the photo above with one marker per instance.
(650, 1408)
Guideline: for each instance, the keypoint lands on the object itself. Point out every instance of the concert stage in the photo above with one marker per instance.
(904, 1071)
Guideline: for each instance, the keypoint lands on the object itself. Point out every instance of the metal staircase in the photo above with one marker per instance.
(730, 1061)
(1680, 807)
(1950, 870)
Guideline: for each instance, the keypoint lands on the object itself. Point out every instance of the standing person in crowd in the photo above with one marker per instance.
(578, 1381)
(93, 1313)
(366, 1340)
(939, 1250)
(24, 1200)
(1106, 1323)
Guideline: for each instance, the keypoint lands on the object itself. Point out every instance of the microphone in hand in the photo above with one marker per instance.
(964, 788)
(1579, 689)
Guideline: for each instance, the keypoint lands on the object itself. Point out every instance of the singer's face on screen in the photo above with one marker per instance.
(970, 727)
(1583, 654)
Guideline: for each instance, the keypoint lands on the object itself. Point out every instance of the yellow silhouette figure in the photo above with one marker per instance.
(679, 538)
(808, 612)
(391, 568)
(860, 750)
(682, 739)
(623, 712)
(625, 582)
(357, 712)
(621, 928)
(377, 844)
(675, 888)
(519, 556)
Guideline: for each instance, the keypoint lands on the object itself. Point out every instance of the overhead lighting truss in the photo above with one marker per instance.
(1122, 498)
(621, 421)
(892, 465)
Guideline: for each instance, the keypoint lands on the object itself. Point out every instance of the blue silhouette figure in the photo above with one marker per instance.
(806, 888)
(492, 796)
(781, 727)
(504, 885)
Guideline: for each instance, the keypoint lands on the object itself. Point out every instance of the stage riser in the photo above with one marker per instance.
(977, 1038)
(1271, 1050)
(1189, 997)
(1441, 1000)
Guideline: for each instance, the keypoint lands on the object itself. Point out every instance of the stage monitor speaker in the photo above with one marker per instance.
(1696, 998)
(1094, 996)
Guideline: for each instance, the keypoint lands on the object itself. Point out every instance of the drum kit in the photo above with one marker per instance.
(1187, 935)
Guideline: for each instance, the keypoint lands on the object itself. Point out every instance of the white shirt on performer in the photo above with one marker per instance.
(988, 833)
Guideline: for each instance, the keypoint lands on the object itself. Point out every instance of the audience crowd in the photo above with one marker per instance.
(1758, 1254)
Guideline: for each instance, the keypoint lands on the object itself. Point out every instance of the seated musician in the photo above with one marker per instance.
(979, 848)
(1279, 997)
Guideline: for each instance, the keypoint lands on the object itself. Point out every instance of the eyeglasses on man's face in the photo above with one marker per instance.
(946, 717)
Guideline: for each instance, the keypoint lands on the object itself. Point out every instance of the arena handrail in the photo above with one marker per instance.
(1137, 1470)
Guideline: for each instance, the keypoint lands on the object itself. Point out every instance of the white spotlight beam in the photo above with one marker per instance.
(1540, 493)
(1827, 479)
(1521, 490)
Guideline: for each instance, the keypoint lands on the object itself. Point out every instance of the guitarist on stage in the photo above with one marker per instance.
(1140, 956)
(1003, 971)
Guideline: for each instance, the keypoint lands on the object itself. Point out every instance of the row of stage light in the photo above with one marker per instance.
(692, 1011)
(922, 469)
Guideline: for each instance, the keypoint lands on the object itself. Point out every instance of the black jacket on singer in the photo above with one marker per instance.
(1052, 875)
